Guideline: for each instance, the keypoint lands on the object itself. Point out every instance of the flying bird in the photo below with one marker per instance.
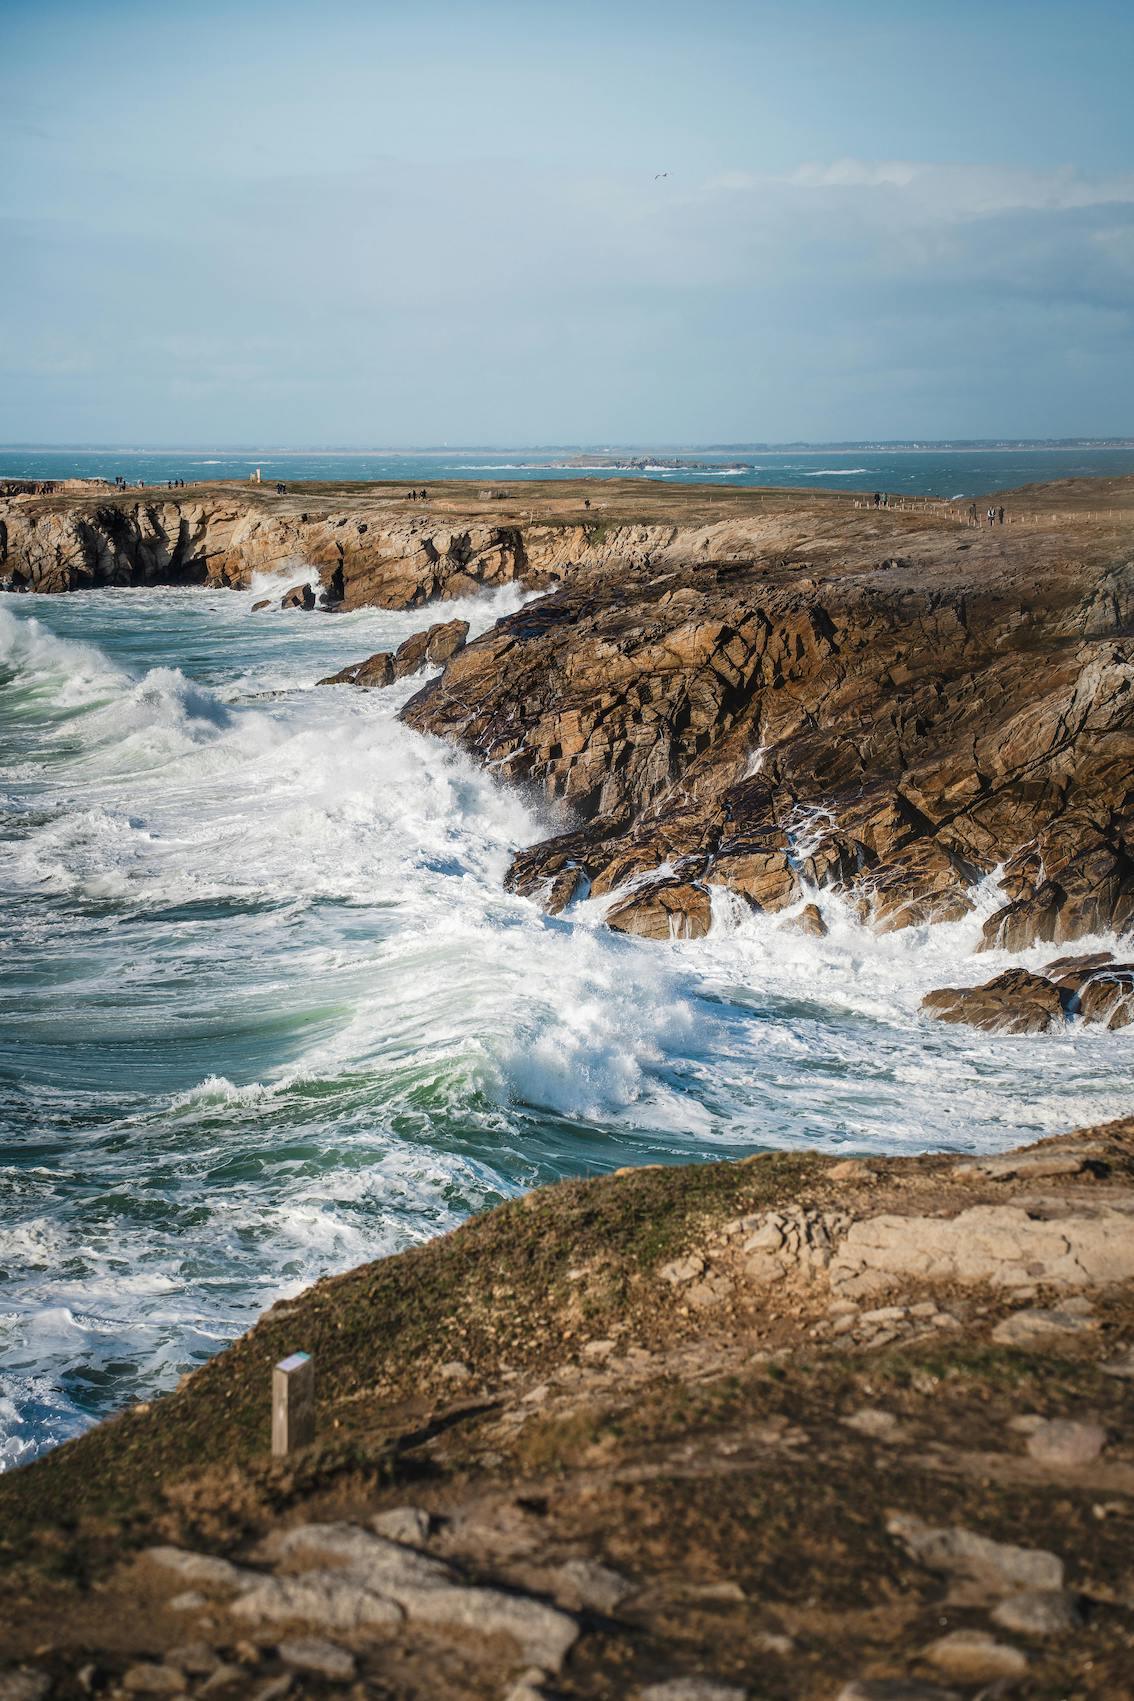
(658, 174)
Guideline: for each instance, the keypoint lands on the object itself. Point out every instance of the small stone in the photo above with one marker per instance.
(848, 1169)
(454, 1371)
(975, 1656)
(406, 1524)
(685, 1269)
(311, 1653)
(692, 1689)
(585, 1583)
(1026, 1328)
(597, 1349)
(147, 1679)
(957, 1552)
(1040, 1612)
(1063, 1443)
(882, 1426)
(773, 1642)
(884, 1314)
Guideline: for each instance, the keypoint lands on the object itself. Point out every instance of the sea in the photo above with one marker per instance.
(267, 1011)
(948, 471)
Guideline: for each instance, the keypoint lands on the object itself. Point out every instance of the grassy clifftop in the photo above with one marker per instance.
(781, 1426)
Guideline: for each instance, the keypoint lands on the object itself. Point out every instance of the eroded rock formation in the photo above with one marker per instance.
(884, 727)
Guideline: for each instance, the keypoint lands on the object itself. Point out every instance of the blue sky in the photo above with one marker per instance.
(375, 225)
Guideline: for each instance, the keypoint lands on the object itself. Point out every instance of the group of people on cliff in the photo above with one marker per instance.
(992, 516)
(416, 495)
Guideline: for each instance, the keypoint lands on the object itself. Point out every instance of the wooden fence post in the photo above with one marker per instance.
(293, 1403)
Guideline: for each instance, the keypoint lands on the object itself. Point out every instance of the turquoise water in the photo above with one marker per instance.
(927, 472)
(266, 1009)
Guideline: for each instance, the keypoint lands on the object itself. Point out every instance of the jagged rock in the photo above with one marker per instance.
(1015, 1002)
(299, 596)
(810, 920)
(372, 674)
(264, 602)
(437, 644)
(667, 909)
(962, 1553)
(1094, 987)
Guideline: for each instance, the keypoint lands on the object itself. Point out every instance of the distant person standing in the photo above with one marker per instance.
(1000, 515)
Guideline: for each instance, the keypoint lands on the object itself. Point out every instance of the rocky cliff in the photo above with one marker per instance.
(875, 711)
(782, 700)
(789, 1429)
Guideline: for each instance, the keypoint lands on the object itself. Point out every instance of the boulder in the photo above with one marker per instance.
(663, 909)
(299, 596)
(1015, 1002)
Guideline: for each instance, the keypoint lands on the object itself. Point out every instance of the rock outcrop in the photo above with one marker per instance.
(1093, 988)
(785, 698)
(431, 648)
(887, 728)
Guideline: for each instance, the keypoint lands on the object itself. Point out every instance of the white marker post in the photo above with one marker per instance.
(293, 1403)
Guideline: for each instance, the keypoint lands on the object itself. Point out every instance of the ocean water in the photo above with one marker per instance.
(945, 472)
(266, 1009)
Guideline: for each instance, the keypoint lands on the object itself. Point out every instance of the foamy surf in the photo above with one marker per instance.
(267, 1010)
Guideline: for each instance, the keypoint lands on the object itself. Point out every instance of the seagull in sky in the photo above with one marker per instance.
(658, 174)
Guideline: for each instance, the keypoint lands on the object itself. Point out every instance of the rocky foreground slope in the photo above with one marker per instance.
(792, 1427)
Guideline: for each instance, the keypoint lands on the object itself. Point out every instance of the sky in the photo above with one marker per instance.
(365, 224)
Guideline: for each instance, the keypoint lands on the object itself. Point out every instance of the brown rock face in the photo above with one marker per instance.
(665, 909)
(889, 726)
(1015, 1002)
(1093, 987)
(436, 645)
